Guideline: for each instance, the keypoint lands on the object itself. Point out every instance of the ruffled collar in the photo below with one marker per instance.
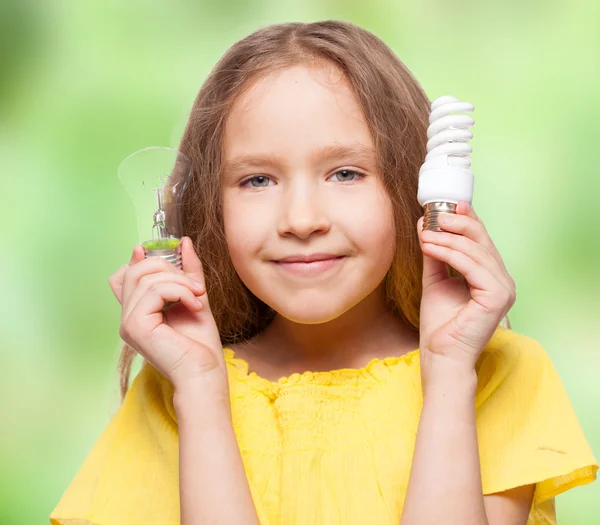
(375, 371)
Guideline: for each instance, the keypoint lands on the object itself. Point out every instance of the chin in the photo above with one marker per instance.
(313, 312)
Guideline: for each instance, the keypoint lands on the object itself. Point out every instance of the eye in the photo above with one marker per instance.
(348, 173)
(259, 178)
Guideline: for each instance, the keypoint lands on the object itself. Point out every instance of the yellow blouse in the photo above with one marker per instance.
(335, 448)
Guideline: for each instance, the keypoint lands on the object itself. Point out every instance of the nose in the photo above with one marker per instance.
(302, 210)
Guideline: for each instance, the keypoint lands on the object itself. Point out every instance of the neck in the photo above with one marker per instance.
(367, 330)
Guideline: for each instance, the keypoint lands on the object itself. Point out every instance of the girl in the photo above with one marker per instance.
(348, 368)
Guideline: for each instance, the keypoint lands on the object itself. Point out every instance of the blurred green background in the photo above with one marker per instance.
(84, 84)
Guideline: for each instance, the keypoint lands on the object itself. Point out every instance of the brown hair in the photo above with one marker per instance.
(397, 111)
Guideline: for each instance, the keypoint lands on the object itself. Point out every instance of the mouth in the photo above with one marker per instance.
(310, 268)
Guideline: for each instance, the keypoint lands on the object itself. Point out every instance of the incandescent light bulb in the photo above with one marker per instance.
(155, 178)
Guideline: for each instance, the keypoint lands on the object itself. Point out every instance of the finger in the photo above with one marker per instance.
(116, 279)
(149, 280)
(467, 223)
(474, 250)
(156, 296)
(135, 272)
(467, 226)
(115, 282)
(465, 208)
(433, 270)
(147, 314)
(476, 275)
(191, 263)
(494, 295)
(137, 254)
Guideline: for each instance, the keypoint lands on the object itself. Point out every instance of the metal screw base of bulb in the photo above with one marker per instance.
(433, 210)
(173, 255)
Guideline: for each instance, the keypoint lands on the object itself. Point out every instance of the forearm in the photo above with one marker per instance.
(445, 479)
(213, 486)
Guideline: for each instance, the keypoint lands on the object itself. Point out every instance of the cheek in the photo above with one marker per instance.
(244, 233)
(379, 247)
(238, 242)
(373, 227)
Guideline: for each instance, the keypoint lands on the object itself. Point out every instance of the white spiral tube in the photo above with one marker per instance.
(445, 177)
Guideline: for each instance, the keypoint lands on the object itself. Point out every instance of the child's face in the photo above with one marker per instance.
(295, 131)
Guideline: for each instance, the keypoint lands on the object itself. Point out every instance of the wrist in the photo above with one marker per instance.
(443, 375)
(203, 393)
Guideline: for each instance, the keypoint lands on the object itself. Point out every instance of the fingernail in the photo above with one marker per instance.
(199, 285)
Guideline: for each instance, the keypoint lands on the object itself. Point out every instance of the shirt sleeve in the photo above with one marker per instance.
(527, 429)
(131, 474)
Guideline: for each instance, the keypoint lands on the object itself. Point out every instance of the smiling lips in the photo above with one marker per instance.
(309, 264)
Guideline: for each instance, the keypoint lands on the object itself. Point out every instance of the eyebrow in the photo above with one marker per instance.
(330, 152)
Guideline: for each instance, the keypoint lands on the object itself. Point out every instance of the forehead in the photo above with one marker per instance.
(294, 111)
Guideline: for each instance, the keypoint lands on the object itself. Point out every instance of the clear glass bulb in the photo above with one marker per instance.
(155, 178)
(445, 177)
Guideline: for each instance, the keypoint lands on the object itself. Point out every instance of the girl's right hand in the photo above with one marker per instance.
(182, 342)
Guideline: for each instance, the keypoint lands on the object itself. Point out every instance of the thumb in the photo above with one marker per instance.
(191, 264)
(137, 255)
(433, 270)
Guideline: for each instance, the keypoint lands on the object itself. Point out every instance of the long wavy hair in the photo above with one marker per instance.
(397, 112)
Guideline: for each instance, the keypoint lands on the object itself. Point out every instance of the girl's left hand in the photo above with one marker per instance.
(459, 318)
